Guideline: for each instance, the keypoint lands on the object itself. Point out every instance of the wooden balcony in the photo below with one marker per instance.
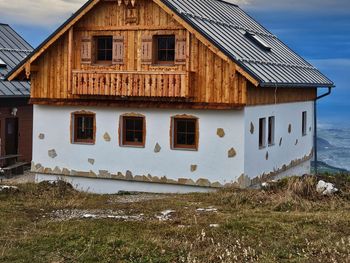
(132, 84)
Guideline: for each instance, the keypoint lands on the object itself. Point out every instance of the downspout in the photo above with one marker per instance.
(315, 126)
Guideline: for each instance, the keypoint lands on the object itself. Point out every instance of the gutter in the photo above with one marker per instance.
(315, 126)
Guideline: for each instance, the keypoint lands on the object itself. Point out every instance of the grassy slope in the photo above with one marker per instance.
(290, 224)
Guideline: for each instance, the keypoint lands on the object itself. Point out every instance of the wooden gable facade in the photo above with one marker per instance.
(66, 70)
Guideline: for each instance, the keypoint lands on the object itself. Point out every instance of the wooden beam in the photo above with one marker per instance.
(54, 38)
(127, 28)
(70, 59)
(205, 41)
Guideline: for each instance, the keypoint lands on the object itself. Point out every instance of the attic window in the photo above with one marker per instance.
(258, 41)
(2, 64)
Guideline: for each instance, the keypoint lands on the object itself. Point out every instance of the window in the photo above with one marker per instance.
(262, 133)
(258, 41)
(83, 128)
(133, 131)
(304, 123)
(165, 49)
(104, 50)
(2, 64)
(185, 133)
(271, 134)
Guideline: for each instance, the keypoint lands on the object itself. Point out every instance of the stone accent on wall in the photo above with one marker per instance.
(91, 161)
(267, 156)
(251, 128)
(281, 140)
(107, 137)
(232, 153)
(296, 142)
(52, 153)
(194, 167)
(220, 132)
(243, 181)
(157, 148)
(290, 128)
(41, 136)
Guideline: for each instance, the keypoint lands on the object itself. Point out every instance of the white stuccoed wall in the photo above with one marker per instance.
(211, 158)
(285, 114)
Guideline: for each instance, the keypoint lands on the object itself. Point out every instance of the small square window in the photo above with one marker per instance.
(104, 48)
(84, 128)
(165, 49)
(133, 131)
(185, 133)
(262, 133)
(304, 123)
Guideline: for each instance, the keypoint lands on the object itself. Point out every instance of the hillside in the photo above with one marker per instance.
(289, 222)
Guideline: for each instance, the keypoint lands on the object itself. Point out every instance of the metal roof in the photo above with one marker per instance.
(13, 49)
(229, 27)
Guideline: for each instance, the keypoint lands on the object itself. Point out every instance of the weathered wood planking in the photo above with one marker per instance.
(208, 76)
(263, 96)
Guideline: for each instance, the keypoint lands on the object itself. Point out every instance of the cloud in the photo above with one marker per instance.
(45, 13)
(49, 13)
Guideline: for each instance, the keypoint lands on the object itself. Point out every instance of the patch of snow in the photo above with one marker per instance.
(70, 214)
(6, 187)
(214, 225)
(208, 210)
(165, 215)
(325, 188)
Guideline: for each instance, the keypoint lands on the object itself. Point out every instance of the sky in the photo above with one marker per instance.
(318, 30)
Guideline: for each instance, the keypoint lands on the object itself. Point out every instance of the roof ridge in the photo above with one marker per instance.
(4, 24)
(227, 24)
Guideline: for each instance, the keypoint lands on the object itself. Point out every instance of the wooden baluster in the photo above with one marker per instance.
(183, 86)
(177, 85)
(147, 86)
(154, 86)
(166, 85)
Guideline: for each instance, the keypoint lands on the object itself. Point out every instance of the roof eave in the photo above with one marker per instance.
(296, 85)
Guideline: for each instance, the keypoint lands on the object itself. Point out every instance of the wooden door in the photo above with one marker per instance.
(11, 136)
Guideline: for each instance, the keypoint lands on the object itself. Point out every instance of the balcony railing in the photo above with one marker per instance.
(132, 84)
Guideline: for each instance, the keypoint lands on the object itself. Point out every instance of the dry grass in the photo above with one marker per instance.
(289, 222)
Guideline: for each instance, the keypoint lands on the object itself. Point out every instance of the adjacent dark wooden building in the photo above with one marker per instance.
(16, 115)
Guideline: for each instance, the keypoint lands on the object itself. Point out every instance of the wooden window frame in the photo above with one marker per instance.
(122, 133)
(156, 60)
(173, 131)
(304, 123)
(74, 139)
(102, 62)
(271, 131)
(262, 133)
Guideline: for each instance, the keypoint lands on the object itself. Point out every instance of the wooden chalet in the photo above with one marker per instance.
(119, 74)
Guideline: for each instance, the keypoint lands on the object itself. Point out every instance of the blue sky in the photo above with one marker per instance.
(318, 30)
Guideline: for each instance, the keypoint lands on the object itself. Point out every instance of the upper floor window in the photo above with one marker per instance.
(165, 49)
(83, 127)
(185, 133)
(133, 131)
(304, 123)
(104, 48)
(262, 133)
